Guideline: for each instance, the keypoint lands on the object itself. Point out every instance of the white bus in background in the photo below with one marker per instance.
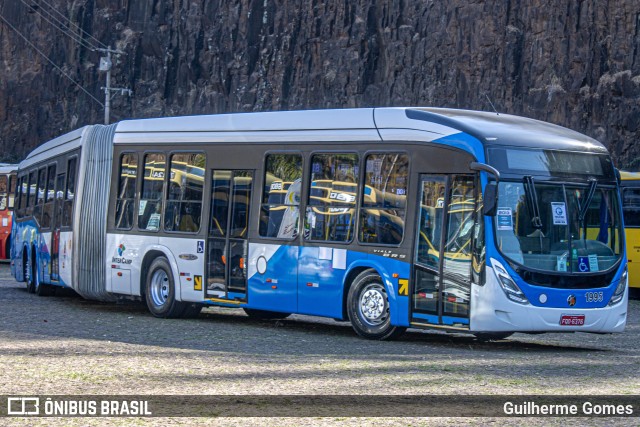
(389, 217)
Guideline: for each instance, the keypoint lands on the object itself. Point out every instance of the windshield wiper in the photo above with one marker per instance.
(585, 206)
(532, 202)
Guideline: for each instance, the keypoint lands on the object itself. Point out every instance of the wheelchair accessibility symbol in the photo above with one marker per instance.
(200, 248)
(583, 264)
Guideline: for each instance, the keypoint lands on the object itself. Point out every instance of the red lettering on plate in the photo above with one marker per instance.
(572, 320)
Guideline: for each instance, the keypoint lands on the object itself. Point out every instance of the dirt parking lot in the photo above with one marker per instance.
(66, 345)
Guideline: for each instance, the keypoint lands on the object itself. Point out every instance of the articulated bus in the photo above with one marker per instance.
(630, 188)
(389, 218)
(7, 190)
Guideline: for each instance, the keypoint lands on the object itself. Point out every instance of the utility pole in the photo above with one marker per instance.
(105, 65)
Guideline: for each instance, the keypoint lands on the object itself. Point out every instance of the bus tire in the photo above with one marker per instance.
(160, 290)
(265, 314)
(368, 308)
(28, 270)
(492, 336)
(191, 310)
(41, 289)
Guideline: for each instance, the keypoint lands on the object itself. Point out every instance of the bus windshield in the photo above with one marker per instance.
(559, 227)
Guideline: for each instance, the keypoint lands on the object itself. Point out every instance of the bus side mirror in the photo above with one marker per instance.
(490, 199)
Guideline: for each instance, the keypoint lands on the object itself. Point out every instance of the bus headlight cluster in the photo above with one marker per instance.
(507, 284)
(619, 292)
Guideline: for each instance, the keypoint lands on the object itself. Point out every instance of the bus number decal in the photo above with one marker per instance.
(594, 296)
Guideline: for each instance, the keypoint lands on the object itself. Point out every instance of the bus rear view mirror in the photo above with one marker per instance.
(490, 199)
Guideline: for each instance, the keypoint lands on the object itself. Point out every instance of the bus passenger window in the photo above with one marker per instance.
(37, 211)
(47, 213)
(332, 197)
(24, 198)
(631, 207)
(60, 180)
(12, 189)
(31, 202)
(126, 191)
(385, 199)
(20, 198)
(280, 209)
(149, 211)
(3, 191)
(67, 207)
(184, 195)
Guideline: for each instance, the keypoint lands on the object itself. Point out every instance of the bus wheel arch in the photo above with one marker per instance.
(369, 309)
(348, 281)
(148, 259)
(160, 289)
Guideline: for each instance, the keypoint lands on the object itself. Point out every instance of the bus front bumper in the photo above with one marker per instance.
(492, 311)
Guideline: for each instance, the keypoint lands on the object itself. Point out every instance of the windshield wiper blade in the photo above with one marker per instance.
(532, 202)
(585, 206)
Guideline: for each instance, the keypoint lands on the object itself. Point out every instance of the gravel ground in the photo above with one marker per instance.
(67, 345)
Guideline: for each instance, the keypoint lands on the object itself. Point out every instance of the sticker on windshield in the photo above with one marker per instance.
(561, 263)
(505, 219)
(559, 210)
(583, 264)
(593, 263)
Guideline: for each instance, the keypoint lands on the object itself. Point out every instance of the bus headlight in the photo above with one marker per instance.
(619, 292)
(507, 284)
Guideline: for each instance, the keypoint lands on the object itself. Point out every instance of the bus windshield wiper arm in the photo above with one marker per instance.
(532, 202)
(585, 206)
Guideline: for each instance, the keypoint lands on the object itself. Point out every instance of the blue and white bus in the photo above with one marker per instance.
(389, 218)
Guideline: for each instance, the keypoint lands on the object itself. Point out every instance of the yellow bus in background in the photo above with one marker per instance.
(630, 188)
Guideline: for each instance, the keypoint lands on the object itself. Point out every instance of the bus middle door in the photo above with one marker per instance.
(56, 223)
(227, 242)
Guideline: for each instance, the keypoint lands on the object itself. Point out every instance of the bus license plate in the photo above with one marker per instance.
(572, 320)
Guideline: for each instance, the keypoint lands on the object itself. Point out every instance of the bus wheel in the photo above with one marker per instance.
(492, 336)
(368, 308)
(40, 289)
(28, 270)
(160, 290)
(191, 310)
(265, 314)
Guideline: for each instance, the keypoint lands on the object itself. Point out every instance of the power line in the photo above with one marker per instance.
(50, 61)
(73, 24)
(73, 36)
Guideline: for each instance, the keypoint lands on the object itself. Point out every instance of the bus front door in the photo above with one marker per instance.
(227, 236)
(442, 274)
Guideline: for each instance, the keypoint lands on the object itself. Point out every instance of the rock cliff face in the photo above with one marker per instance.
(576, 65)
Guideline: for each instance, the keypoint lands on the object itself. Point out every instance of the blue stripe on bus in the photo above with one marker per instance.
(298, 281)
(431, 318)
(446, 320)
(29, 236)
(464, 142)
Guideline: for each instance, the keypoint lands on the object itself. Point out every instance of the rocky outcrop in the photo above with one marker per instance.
(575, 64)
